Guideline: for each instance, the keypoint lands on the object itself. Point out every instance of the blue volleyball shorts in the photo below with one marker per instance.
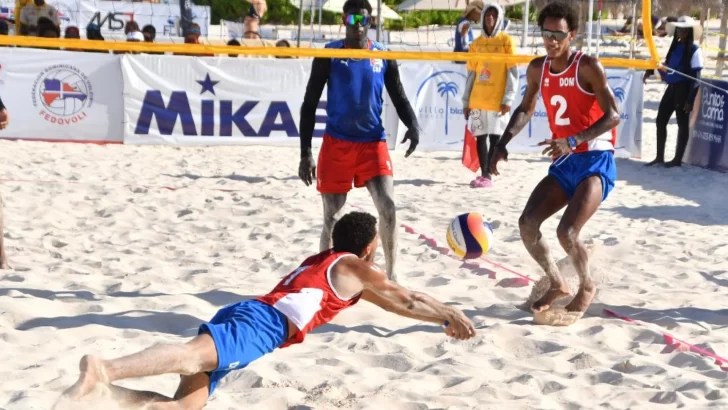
(244, 332)
(571, 170)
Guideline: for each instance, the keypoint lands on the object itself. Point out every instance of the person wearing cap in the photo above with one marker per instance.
(683, 64)
(463, 32)
(490, 89)
(135, 37)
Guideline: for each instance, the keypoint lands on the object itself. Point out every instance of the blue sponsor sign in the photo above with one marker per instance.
(709, 128)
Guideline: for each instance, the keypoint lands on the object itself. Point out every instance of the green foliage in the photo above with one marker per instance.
(283, 12)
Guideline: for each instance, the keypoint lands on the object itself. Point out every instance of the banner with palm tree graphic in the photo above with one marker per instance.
(435, 91)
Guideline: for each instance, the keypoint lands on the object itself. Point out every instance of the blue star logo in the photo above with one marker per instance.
(207, 84)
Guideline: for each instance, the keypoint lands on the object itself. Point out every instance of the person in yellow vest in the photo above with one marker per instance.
(490, 89)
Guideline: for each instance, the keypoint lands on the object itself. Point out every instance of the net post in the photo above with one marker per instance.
(722, 42)
(634, 29)
(647, 30)
(379, 19)
(589, 20)
(300, 23)
(185, 14)
(526, 12)
(18, 6)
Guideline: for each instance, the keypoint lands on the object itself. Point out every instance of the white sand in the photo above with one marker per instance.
(104, 266)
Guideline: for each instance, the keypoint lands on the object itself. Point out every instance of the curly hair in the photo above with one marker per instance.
(353, 232)
(559, 10)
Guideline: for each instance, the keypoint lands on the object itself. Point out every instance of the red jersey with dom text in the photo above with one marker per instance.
(307, 297)
(571, 109)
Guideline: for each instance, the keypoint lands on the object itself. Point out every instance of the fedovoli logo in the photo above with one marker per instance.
(63, 93)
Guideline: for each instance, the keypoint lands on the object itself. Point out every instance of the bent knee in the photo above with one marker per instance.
(567, 235)
(528, 224)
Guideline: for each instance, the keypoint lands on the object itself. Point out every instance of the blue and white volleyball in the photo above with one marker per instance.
(469, 235)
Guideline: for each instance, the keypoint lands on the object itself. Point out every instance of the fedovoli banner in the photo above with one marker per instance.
(436, 89)
(215, 101)
(59, 95)
(709, 128)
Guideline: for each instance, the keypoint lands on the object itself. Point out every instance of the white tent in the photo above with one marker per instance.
(413, 5)
(336, 6)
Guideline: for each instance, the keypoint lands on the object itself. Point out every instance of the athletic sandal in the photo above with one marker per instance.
(482, 182)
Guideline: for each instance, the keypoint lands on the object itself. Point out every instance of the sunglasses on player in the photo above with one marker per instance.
(554, 35)
(354, 19)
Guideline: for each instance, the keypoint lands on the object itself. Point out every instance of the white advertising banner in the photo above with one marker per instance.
(435, 91)
(217, 101)
(111, 15)
(61, 95)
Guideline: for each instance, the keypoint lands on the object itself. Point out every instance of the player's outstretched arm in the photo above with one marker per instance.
(320, 69)
(406, 114)
(594, 78)
(390, 296)
(523, 113)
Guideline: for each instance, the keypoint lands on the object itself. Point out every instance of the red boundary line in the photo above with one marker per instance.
(525, 280)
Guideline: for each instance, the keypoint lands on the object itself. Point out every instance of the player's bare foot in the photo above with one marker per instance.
(92, 372)
(550, 297)
(583, 299)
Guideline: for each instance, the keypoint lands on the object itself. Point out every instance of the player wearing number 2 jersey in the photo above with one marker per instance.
(583, 115)
(310, 296)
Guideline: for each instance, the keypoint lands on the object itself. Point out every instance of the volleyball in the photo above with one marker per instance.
(469, 235)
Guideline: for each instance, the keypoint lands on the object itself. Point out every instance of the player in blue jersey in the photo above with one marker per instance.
(354, 147)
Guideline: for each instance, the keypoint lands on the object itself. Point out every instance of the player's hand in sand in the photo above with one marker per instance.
(4, 119)
(499, 153)
(307, 169)
(459, 326)
(414, 137)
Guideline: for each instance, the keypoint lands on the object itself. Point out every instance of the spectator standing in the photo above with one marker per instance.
(490, 89)
(463, 31)
(30, 14)
(686, 57)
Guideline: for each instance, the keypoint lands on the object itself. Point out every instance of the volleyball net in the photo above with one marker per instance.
(411, 29)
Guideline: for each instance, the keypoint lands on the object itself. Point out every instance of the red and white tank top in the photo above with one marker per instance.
(570, 109)
(306, 295)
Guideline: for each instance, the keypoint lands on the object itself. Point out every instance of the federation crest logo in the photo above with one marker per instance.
(63, 94)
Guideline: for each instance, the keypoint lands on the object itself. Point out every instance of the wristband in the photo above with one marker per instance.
(572, 142)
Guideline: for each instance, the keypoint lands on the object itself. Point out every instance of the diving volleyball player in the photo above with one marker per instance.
(310, 296)
(354, 144)
(582, 114)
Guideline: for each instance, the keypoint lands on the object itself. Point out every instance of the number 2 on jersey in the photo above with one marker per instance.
(560, 102)
(293, 275)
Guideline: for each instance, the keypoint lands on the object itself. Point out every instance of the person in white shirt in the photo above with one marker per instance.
(30, 14)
